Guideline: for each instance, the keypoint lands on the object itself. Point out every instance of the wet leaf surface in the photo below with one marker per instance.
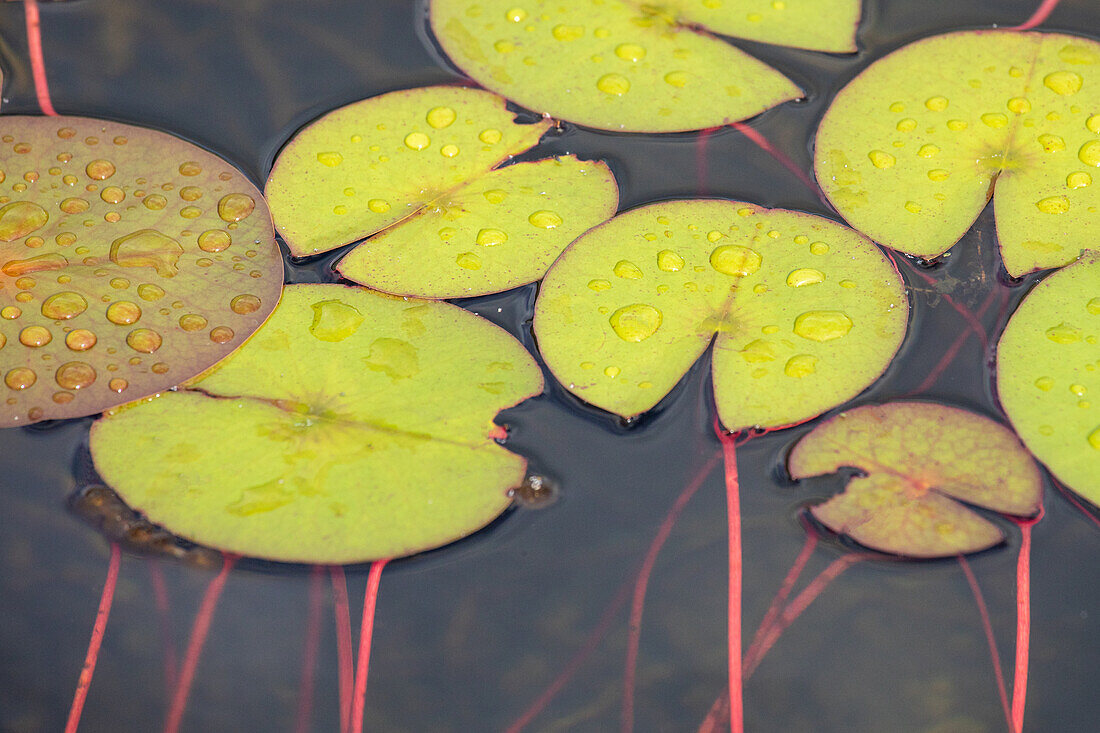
(912, 149)
(353, 426)
(130, 260)
(805, 313)
(637, 67)
(1048, 374)
(921, 462)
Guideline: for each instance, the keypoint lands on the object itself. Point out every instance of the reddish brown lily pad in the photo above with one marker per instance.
(130, 260)
(922, 462)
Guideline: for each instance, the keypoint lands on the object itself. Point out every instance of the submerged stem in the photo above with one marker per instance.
(344, 661)
(983, 611)
(103, 613)
(733, 628)
(366, 631)
(309, 651)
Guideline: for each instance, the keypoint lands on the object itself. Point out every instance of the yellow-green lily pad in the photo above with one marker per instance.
(1048, 374)
(913, 148)
(353, 426)
(921, 463)
(633, 66)
(805, 313)
(130, 260)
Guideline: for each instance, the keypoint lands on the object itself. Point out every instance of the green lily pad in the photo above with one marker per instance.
(1048, 374)
(805, 313)
(920, 460)
(638, 67)
(912, 149)
(130, 260)
(353, 426)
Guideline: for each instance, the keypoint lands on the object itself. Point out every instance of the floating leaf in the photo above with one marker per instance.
(920, 460)
(1048, 374)
(910, 156)
(807, 312)
(130, 260)
(352, 426)
(632, 66)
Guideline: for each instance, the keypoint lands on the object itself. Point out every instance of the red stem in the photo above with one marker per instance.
(164, 618)
(1023, 622)
(38, 62)
(1044, 10)
(642, 582)
(1073, 500)
(309, 652)
(764, 144)
(701, 161)
(344, 660)
(366, 630)
(98, 629)
(733, 518)
(784, 593)
(953, 350)
(983, 611)
(199, 632)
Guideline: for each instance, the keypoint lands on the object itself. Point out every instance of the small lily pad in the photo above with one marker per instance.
(130, 260)
(1048, 374)
(637, 67)
(353, 426)
(913, 148)
(920, 460)
(805, 313)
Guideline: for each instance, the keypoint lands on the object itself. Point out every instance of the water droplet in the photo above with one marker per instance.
(612, 371)
(35, 336)
(1063, 82)
(996, 120)
(912, 207)
(417, 141)
(800, 365)
(564, 32)
(504, 46)
(395, 358)
(1044, 383)
(760, 350)
(334, 320)
(1093, 306)
(63, 306)
(669, 261)
(123, 313)
(490, 136)
(516, 15)
(1089, 154)
(928, 151)
(736, 260)
(75, 375)
(50, 261)
(192, 322)
(495, 196)
(636, 322)
(936, 104)
(190, 212)
(491, 237)
(112, 195)
(1052, 143)
(1078, 390)
(880, 159)
(147, 248)
(957, 125)
(150, 292)
(627, 270)
(378, 206)
(1079, 179)
(630, 52)
(938, 174)
(907, 124)
(100, 170)
(118, 384)
(1064, 333)
(221, 334)
(468, 261)
(214, 240)
(20, 218)
(613, 84)
(822, 325)
(80, 339)
(440, 117)
(449, 151)
(677, 78)
(1053, 205)
(599, 285)
(448, 233)
(545, 219)
(1019, 105)
(805, 276)
(190, 168)
(144, 340)
(20, 378)
(154, 202)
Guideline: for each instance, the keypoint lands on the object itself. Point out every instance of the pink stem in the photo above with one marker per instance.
(1044, 10)
(203, 619)
(344, 660)
(784, 593)
(366, 630)
(1023, 623)
(164, 616)
(952, 351)
(983, 611)
(642, 582)
(309, 652)
(38, 61)
(733, 517)
(764, 144)
(701, 161)
(98, 630)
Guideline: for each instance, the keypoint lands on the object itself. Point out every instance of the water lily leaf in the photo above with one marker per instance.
(130, 260)
(804, 312)
(911, 150)
(920, 461)
(352, 426)
(497, 232)
(1048, 374)
(638, 67)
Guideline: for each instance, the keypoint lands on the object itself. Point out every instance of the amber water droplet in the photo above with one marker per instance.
(669, 261)
(190, 168)
(123, 313)
(636, 322)
(190, 193)
(20, 218)
(334, 320)
(150, 292)
(736, 260)
(75, 375)
(627, 270)
(244, 304)
(1064, 333)
(50, 261)
(35, 336)
(20, 378)
(118, 384)
(112, 195)
(147, 248)
(214, 240)
(192, 322)
(221, 334)
(100, 170)
(74, 205)
(545, 219)
(64, 305)
(235, 207)
(63, 398)
(144, 340)
(822, 325)
(80, 339)
(800, 365)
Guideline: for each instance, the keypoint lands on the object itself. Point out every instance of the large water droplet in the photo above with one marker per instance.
(80, 339)
(636, 322)
(147, 248)
(545, 219)
(123, 313)
(63, 306)
(627, 270)
(669, 261)
(615, 85)
(35, 336)
(75, 375)
(1064, 333)
(51, 261)
(235, 207)
(800, 365)
(20, 378)
(20, 218)
(334, 320)
(468, 261)
(736, 260)
(491, 237)
(396, 358)
(440, 117)
(144, 340)
(805, 276)
(760, 350)
(822, 325)
(1089, 154)
(1063, 82)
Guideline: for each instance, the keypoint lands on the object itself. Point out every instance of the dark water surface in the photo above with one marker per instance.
(466, 637)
